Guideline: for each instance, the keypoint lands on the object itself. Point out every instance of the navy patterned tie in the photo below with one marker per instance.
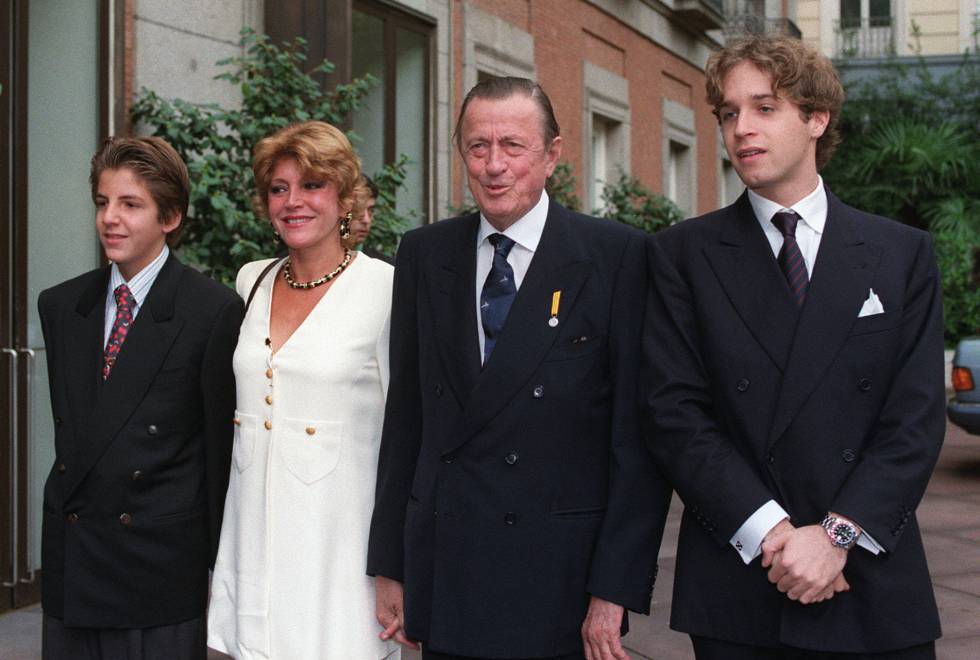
(498, 293)
(790, 258)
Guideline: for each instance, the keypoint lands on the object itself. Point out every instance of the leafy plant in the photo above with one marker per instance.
(630, 202)
(387, 226)
(223, 230)
(561, 186)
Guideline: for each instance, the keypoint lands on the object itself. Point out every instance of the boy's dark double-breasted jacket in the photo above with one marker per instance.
(133, 502)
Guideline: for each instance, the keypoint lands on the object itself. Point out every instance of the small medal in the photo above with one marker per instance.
(555, 301)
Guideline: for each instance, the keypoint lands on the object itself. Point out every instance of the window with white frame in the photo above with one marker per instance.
(679, 149)
(606, 123)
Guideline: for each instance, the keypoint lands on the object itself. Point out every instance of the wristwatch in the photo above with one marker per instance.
(842, 533)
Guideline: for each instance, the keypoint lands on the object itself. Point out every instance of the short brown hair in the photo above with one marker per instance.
(321, 150)
(504, 87)
(158, 166)
(805, 76)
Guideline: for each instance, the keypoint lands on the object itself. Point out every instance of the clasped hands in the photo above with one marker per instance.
(803, 563)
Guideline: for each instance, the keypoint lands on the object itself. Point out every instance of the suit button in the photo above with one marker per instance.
(771, 458)
(742, 385)
(438, 389)
(510, 518)
(57, 421)
(73, 518)
(268, 425)
(62, 468)
(125, 519)
(538, 391)
(268, 399)
(268, 373)
(864, 384)
(848, 455)
(137, 475)
(511, 458)
(152, 429)
(447, 459)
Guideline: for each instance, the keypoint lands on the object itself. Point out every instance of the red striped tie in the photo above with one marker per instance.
(790, 258)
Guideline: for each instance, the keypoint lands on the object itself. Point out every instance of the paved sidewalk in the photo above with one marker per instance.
(950, 521)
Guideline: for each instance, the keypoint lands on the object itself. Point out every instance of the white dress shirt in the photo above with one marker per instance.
(526, 233)
(812, 210)
(139, 286)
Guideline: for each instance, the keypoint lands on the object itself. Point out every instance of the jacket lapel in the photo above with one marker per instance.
(559, 264)
(454, 307)
(842, 277)
(84, 344)
(746, 269)
(146, 346)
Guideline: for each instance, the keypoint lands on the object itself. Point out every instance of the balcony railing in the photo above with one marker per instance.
(741, 25)
(700, 15)
(865, 37)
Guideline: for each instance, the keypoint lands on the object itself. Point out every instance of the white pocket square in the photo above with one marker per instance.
(872, 305)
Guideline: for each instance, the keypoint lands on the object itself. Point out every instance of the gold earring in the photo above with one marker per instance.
(275, 237)
(345, 226)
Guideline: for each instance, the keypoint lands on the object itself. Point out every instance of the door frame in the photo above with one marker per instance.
(18, 585)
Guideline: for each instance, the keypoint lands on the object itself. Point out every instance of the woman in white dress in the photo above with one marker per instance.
(312, 373)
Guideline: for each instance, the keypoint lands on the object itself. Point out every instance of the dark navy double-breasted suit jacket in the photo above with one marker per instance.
(508, 494)
(750, 398)
(133, 502)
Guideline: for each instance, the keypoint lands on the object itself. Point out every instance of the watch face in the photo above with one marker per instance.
(843, 534)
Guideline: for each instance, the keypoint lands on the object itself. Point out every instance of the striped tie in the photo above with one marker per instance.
(790, 258)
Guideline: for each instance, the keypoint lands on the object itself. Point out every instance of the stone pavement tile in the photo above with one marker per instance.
(958, 613)
(961, 648)
(949, 555)
(972, 534)
(20, 632)
(969, 583)
(940, 514)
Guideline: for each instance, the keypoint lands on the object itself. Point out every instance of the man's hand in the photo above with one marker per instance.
(805, 565)
(389, 600)
(600, 631)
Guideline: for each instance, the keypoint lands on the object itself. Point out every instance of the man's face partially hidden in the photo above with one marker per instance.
(771, 145)
(507, 162)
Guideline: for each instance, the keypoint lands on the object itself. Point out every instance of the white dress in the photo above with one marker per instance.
(290, 582)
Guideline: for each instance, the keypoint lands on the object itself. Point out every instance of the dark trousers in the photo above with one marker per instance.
(435, 655)
(715, 649)
(186, 640)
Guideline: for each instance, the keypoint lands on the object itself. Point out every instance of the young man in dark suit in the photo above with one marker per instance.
(143, 396)
(794, 347)
(516, 502)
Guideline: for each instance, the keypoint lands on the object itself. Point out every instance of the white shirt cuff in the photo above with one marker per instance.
(749, 537)
(869, 544)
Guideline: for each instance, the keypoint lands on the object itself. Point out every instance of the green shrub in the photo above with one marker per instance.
(223, 231)
(630, 202)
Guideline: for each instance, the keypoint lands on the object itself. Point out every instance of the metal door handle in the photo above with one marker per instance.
(13, 465)
(31, 362)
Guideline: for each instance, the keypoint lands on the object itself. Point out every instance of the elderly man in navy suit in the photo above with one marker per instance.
(794, 349)
(518, 512)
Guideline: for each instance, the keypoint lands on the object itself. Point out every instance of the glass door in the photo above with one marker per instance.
(50, 110)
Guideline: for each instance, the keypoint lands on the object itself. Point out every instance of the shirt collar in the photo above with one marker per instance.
(812, 208)
(139, 285)
(526, 232)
